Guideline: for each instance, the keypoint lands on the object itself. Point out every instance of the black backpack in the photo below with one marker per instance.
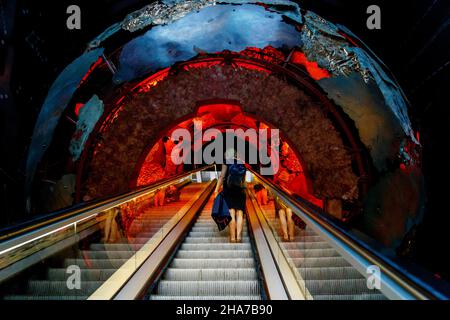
(236, 174)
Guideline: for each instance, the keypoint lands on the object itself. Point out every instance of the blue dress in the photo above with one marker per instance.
(234, 197)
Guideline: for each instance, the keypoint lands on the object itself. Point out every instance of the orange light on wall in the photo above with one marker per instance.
(313, 68)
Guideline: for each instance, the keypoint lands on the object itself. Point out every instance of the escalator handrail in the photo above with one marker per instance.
(408, 282)
(86, 209)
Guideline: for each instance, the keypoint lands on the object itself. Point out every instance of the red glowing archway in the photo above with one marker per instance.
(156, 163)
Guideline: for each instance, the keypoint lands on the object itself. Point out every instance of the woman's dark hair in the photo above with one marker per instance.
(258, 187)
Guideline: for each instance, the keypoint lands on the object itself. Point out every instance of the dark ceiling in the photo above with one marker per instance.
(35, 46)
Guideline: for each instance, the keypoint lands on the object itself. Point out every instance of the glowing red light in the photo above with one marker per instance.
(313, 68)
(95, 65)
(78, 107)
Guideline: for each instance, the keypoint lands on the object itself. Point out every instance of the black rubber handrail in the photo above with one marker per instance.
(408, 282)
(51, 218)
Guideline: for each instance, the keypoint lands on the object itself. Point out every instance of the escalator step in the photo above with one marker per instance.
(312, 253)
(215, 246)
(60, 274)
(95, 263)
(206, 229)
(112, 247)
(212, 240)
(209, 254)
(329, 273)
(111, 254)
(319, 262)
(213, 263)
(210, 274)
(305, 245)
(208, 288)
(53, 288)
(337, 286)
(214, 234)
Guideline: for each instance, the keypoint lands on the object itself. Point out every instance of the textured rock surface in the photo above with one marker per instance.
(323, 156)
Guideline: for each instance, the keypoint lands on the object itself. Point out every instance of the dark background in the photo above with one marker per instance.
(35, 46)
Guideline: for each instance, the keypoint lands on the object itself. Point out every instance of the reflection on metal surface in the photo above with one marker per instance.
(56, 102)
(162, 13)
(89, 115)
(233, 28)
(323, 43)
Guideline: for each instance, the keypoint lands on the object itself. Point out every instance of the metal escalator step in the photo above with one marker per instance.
(215, 246)
(207, 234)
(210, 222)
(205, 229)
(212, 240)
(337, 286)
(305, 245)
(209, 254)
(110, 254)
(140, 240)
(364, 296)
(210, 274)
(213, 263)
(307, 238)
(329, 273)
(208, 288)
(60, 274)
(319, 262)
(312, 253)
(95, 263)
(54, 288)
(112, 247)
(187, 298)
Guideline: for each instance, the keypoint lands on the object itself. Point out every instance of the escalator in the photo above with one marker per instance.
(134, 246)
(99, 260)
(208, 267)
(326, 274)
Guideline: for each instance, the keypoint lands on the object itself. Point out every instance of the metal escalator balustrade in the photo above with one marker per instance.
(329, 263)
(93, 253)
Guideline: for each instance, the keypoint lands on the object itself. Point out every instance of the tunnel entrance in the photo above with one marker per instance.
(225, 118)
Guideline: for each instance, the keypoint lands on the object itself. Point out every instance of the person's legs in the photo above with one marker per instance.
(162, 198)
(155, 199)
(239, 224)
(290, 223)
(259, 197)
(265, 198)
(159, 198)
(232, 225)
(283, 223)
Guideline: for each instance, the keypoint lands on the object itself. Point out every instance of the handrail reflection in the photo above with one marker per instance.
(89, 208)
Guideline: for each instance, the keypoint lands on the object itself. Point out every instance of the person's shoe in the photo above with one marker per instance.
(232, 240)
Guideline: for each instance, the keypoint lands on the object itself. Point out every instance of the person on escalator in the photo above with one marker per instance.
(261, 194)
(288, 220)
(232, 181)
